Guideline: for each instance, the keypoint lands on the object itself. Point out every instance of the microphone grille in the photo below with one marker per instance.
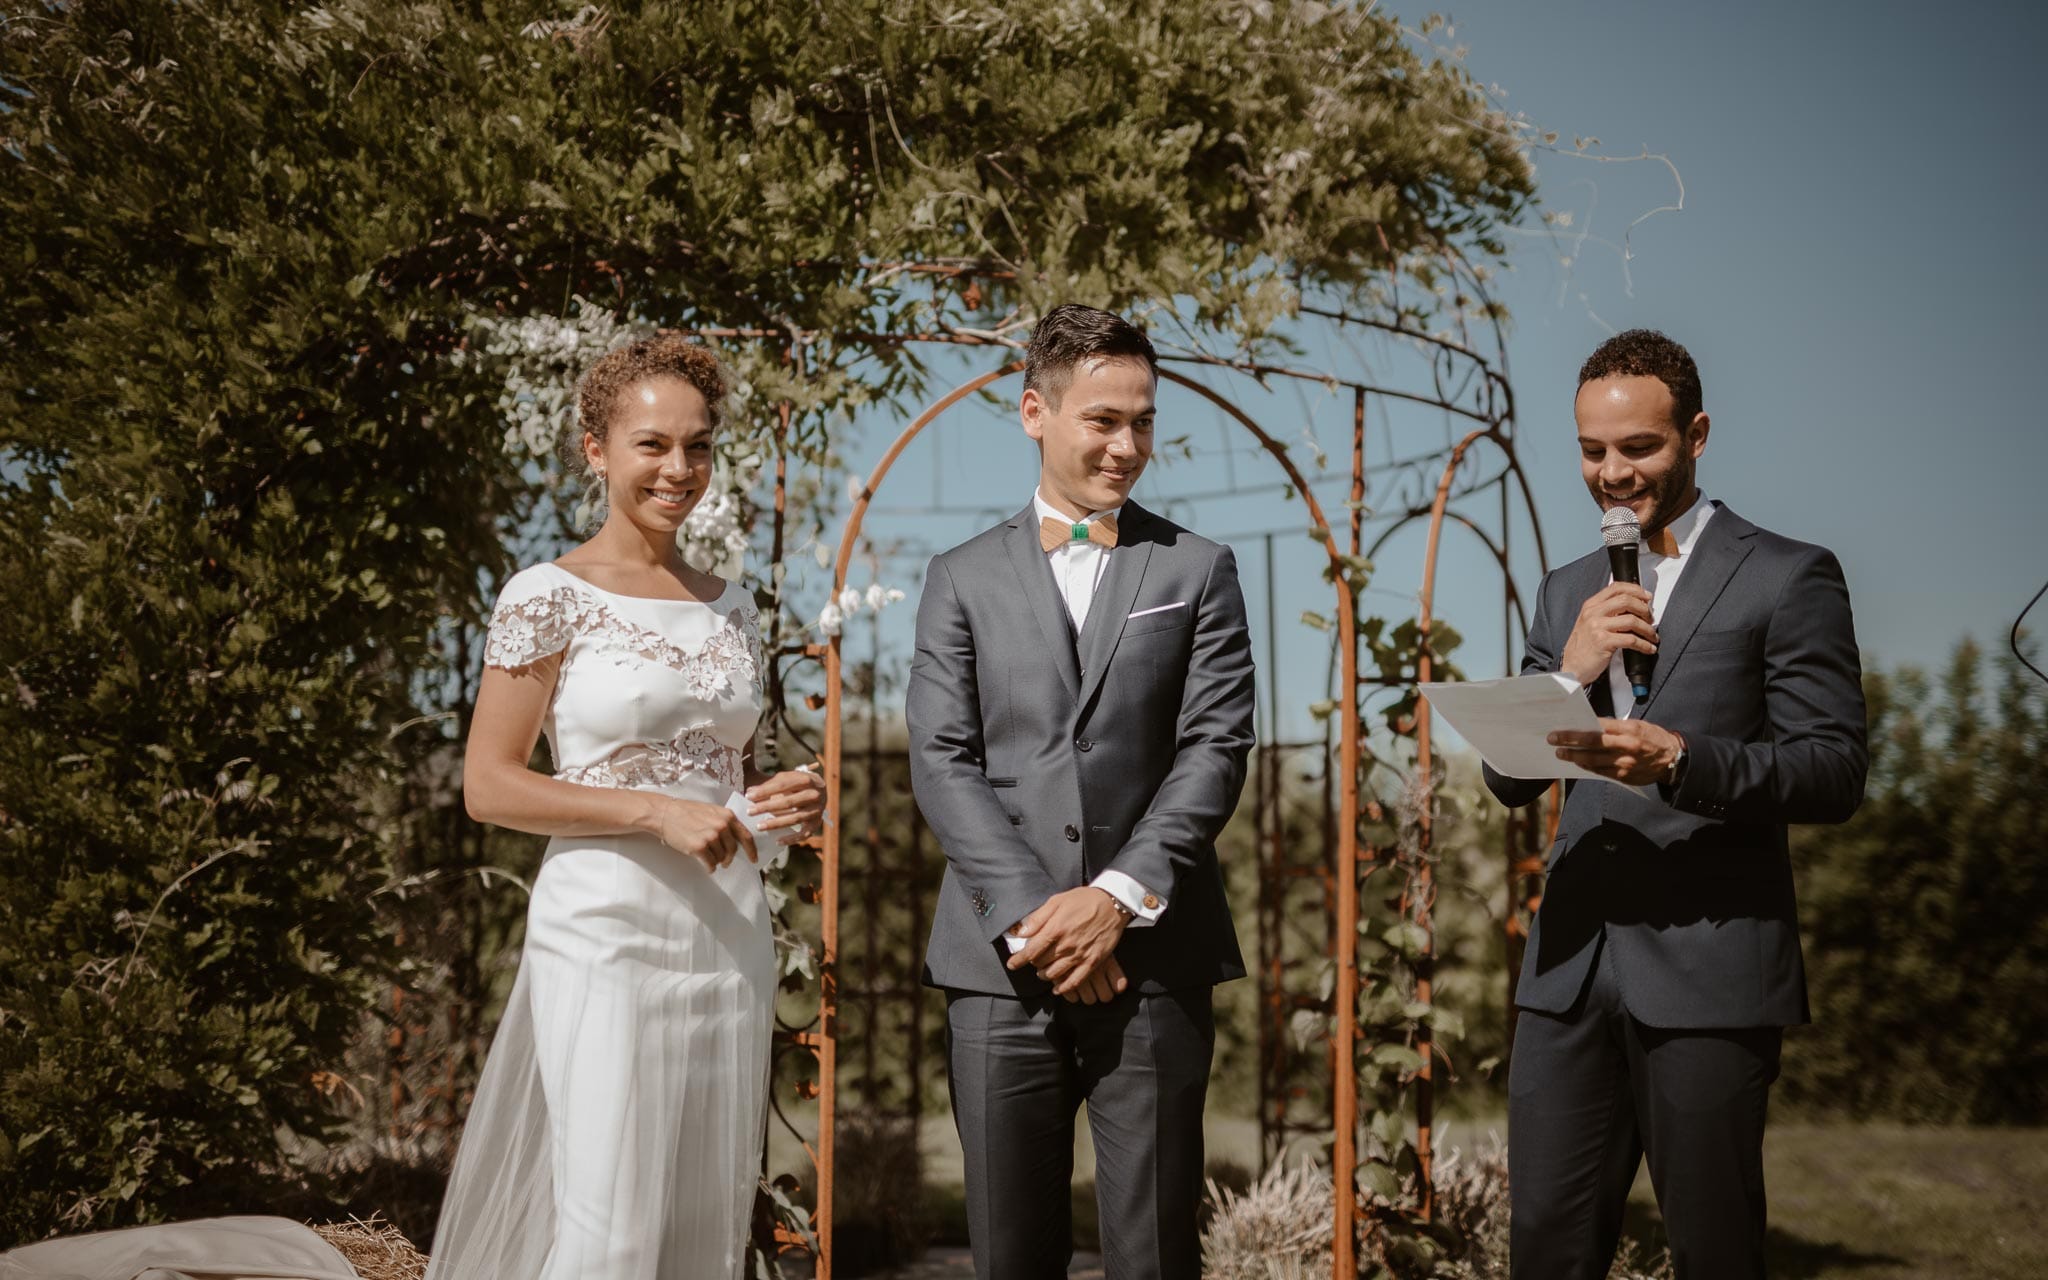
(1618, 528)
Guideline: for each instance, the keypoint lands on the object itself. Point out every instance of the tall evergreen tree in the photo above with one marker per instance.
(1923, 914)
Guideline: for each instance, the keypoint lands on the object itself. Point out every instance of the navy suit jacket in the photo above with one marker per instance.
(1690, 888)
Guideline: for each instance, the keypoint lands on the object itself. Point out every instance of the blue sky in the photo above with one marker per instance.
(1857, 269)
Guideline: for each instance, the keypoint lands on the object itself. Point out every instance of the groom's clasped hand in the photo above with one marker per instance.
(1072, 944)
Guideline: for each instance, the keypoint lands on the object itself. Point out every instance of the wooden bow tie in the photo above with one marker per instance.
(1054, 534)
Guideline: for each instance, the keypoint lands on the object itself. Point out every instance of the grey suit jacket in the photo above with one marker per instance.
(1039, 758)
(1691, 889)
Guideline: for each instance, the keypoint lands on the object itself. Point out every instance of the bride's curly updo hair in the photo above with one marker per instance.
(661, 356)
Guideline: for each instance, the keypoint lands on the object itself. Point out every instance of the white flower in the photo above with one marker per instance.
(830, 619)
(542, 357)
(881, 597)
(850, 600)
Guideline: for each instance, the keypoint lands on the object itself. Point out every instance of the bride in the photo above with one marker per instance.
(617, 1127)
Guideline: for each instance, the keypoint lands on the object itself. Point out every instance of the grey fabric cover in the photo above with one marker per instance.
(238, 1248)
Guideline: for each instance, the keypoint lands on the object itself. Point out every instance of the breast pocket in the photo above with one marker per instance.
(1721, 641)
(1164, 620)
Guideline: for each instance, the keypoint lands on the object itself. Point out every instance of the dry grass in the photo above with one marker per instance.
(375, 1248)
(1280, 1227)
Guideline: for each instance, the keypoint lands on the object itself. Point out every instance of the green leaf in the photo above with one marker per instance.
(1378, 1181)
(1408, 939)
(1398, 1056)
(1307, 1028)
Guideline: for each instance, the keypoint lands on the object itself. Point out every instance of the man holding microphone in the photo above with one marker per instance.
(1664, 962)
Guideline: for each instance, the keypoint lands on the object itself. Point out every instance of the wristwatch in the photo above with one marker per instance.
(1677, 773)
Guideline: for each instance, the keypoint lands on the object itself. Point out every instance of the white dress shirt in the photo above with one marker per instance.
(1660, 575)
(1077, 569)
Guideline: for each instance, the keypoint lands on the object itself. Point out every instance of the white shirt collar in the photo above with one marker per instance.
(1685, 530)
(1047, 511)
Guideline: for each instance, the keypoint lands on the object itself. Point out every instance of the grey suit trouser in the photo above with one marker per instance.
(1593, 1092)
(1019, 1069)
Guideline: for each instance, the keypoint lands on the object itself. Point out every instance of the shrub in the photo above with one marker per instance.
(1281, 1227)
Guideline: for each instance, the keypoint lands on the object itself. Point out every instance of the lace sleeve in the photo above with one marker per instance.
(528, 627)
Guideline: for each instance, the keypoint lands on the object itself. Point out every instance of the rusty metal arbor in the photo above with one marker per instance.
(1301, 1095)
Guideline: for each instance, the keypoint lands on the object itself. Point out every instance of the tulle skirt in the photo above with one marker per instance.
(617, 1127)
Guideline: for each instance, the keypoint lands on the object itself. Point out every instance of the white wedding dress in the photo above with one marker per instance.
(617, 1128)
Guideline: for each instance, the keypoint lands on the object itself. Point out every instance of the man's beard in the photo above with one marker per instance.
(1668, 496)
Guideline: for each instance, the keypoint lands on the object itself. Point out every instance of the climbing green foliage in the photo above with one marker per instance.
(252, 502)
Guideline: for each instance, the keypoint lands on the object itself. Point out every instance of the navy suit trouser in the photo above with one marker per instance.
(1594, 1092)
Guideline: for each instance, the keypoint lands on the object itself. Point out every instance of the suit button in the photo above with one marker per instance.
(1085, 745)
(1073, 832)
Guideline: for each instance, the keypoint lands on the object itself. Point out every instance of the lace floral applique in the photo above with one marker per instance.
(733, 652)
(525, 631)
(660, 763)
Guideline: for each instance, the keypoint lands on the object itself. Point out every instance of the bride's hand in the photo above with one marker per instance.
(710, 833)
(790, 802)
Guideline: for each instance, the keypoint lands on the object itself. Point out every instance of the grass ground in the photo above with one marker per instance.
(1848, 1202)
(1887, 1202)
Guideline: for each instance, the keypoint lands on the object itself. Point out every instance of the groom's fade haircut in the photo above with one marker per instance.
(1646, 353)
(1071, 333)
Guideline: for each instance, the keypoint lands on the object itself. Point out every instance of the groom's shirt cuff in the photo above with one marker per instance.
(1145, 906)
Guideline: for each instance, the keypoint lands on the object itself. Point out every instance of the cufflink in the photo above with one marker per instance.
(1151, 902)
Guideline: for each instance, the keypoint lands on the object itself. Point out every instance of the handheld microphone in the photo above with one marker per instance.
(1624, 539)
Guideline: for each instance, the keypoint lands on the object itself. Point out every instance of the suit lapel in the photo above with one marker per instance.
(1041, 595)
(1723, 545)
(1111, 607)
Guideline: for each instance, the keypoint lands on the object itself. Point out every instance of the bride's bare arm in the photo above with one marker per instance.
(499, 788)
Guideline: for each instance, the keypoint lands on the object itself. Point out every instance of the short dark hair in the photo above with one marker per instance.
(1071, 333)
(1646, 353)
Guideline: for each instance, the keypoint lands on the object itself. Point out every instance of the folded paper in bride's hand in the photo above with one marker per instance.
(764, 841)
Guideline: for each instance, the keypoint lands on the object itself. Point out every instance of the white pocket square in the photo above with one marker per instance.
(1178, 604)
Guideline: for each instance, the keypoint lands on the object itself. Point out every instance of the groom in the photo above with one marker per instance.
(1080, 710)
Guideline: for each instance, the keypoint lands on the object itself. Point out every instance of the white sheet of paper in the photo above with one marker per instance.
(1508, 721)
(740, 805)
